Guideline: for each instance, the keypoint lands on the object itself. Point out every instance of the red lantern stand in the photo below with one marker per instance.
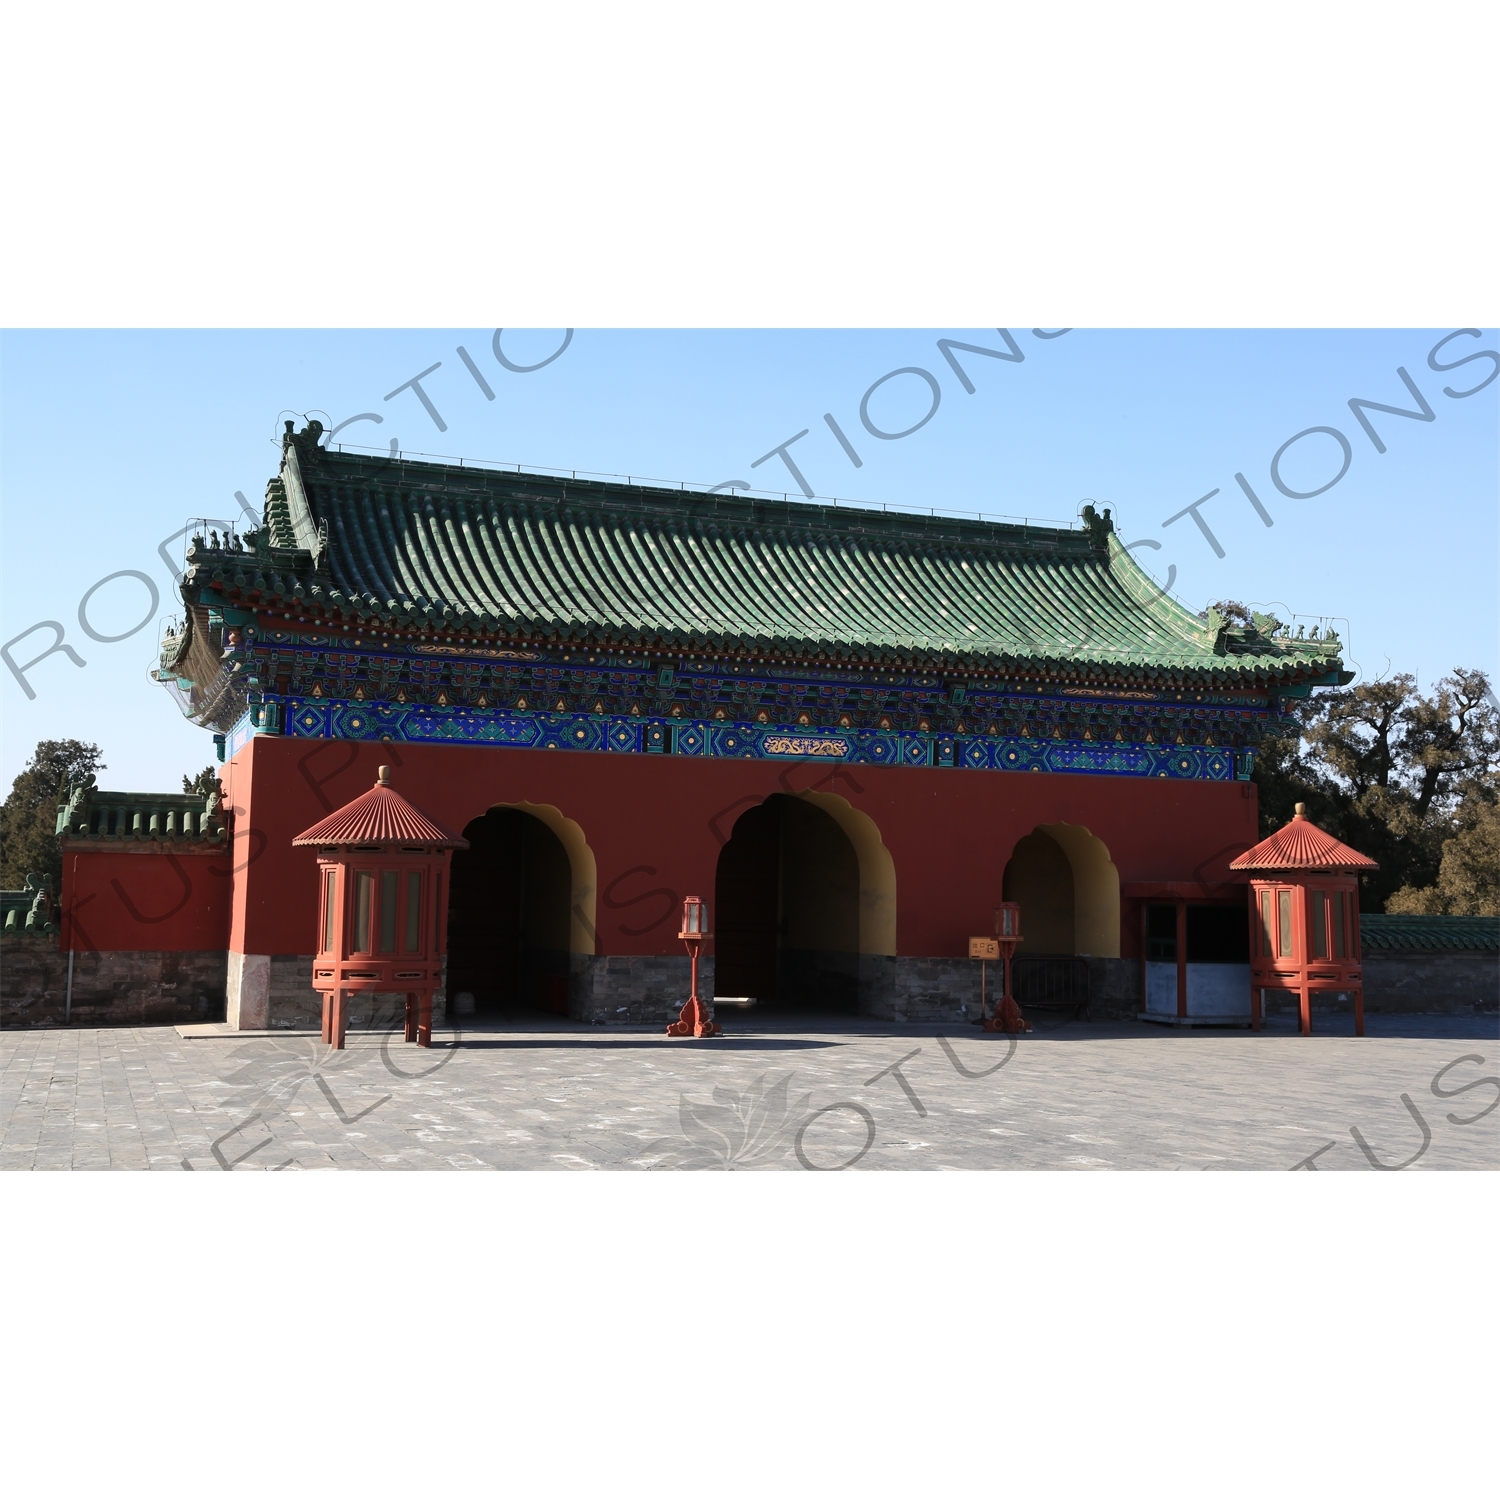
(1304, 918)
(694, 1020)
(383, 913)
(1007, 1017)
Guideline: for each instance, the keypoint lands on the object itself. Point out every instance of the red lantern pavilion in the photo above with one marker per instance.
(383, 916)
(1304, 917)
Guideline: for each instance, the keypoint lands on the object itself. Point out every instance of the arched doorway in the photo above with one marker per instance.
(510, 915)
(1069, 891)
(1041, 879)
(804, 887)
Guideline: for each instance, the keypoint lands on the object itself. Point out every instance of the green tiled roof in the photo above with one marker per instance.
(1397, 934)
(527, 555)
(89, 813)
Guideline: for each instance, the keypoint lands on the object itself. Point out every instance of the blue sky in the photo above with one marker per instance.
(110, 441)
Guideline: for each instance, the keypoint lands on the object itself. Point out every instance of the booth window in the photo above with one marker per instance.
(388, 879)
(1327, 912)
(1284, 912)
(1161, 934)
(1217, 935)
(413, 911)
(330, 891)
(364, 890)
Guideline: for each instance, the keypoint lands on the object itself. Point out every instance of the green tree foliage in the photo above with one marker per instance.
(1468, 878)
(1410, 779)
(28, 844)
(206, 781)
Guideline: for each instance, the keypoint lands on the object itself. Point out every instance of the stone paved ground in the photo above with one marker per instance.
(1074, 1096)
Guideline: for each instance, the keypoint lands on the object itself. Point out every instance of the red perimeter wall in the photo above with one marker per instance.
(657, 823)
(125, 897)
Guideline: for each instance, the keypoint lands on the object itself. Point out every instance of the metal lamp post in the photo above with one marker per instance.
(1007, 1017)
(694, 1020)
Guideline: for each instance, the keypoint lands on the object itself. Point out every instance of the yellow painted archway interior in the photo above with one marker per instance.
(1069, 892)
(585, 873)
(877, 871)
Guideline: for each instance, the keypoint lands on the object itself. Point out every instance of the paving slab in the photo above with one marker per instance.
(1417, 1093)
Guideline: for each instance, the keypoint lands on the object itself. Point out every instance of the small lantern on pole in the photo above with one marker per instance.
(694, 1020)
(1007, 1017)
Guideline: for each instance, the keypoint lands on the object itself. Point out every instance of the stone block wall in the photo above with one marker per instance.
(635, 989)
(1114, 988)
(947, 989)
(918, 989)
(273, 992)
(1444, 984)
(109, 989)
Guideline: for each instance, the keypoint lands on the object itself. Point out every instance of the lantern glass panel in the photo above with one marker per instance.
(330, 894)
(1284, 912)
(413, 911)
(364, 889)
(388, 880)
(1317, 902)
(1338, 924)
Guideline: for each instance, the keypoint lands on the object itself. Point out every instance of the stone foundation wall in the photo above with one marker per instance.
(109, 989)
(917, 989)
(294, 1005)
(635, 989)
(1443, 984)
(1114, 988)
(274, 992)
(947, 989)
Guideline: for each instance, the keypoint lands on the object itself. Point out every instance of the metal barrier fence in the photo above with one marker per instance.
(1060, 984)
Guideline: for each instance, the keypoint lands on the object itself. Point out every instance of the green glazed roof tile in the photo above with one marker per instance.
(530, 554)
(1418, 934)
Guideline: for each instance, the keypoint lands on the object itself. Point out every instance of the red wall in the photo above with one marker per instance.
(145, 897)
(656, 824)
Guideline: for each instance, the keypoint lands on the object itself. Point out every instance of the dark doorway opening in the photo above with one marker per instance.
(508, 916)
(1218, 934)
(1039, 876)
(787, 911)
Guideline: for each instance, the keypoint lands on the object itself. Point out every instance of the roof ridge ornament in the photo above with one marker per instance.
(1095, 523)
